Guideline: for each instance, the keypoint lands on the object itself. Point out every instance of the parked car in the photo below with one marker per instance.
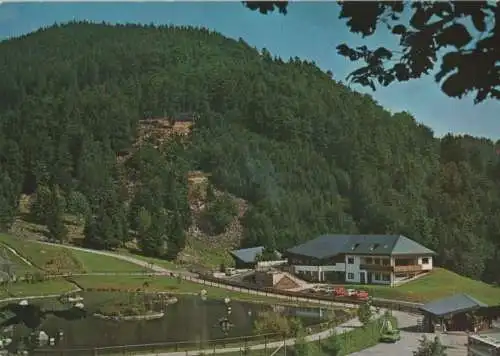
(315, 289)
(339, 292)
(351, 292)
(362, 295)
(328, 290)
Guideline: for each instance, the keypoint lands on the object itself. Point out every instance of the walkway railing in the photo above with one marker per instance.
(207, 346)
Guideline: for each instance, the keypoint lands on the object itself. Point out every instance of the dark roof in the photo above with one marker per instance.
(455, 304)
(331, 245)
(247, 255)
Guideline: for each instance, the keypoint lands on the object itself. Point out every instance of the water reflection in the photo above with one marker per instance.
(191, 318)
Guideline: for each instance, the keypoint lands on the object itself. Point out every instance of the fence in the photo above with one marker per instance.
(304, 296)
(268, 341)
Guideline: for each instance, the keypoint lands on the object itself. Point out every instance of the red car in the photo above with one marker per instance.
(339, 292)
(362, 295)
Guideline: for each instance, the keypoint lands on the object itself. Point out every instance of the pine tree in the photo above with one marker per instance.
(8, 202)
(54, 215)
(40, 204)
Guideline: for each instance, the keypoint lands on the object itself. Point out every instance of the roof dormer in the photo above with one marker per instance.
(374, 246)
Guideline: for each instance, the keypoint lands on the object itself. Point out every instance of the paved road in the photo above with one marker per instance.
(410, 340)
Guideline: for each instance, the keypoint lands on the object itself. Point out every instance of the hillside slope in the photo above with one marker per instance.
(309, 155)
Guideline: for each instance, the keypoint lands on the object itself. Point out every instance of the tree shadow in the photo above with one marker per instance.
(78, 242)
(28, 218)
(411, 329)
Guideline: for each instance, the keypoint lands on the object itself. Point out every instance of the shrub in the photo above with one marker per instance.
(220, 213)
(355, 340)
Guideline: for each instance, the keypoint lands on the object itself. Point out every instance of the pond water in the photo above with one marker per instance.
(190, 319)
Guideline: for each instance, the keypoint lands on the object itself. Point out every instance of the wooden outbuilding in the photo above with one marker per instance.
(460, 312)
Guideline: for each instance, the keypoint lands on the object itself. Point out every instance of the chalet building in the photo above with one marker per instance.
(364, 259)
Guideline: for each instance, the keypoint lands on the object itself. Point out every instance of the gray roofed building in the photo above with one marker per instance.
(457, 303)
(248, 255)
(330, 245)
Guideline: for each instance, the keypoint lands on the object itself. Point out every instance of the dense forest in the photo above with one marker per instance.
(309, 155)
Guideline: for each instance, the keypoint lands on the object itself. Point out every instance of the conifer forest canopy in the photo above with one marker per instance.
(436, 32)
(309, 155)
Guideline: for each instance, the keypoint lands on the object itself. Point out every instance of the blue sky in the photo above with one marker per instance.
(309, 30)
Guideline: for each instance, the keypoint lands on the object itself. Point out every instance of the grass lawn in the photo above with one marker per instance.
(437, 284)
(49, 258)
(172, 285)
(209, 256)
(19, 266)
(22, 289)
(91, 262)
(58, 259)
(156, 261)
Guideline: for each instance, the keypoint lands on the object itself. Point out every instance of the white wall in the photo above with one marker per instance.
(427, 266)
(381, 281)
(339, 267)
(353, 268)
(271, 263)
(319, 271)
(301, 268)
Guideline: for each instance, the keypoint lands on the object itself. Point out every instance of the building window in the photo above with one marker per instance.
(425, 260)
(350, 275)
(376, 261)
(386, 277)
(368, 260)
(377, 276)
(385, 262)
(350, 260)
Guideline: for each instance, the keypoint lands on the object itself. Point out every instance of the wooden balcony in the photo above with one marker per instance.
(376, 268)
(408, 268)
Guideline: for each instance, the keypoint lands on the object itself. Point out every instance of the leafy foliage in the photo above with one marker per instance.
(430, 347)
(468, 31)
(333, 345)
(220, 213)
(308, 155)
(269, 322)
(364, 313)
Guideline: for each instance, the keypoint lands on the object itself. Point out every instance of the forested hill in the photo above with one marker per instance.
(309, 155)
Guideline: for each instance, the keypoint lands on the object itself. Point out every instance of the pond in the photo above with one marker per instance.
(190, 319)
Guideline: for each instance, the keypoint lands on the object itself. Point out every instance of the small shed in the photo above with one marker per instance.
(246, 257)
(249, 258)
(459, 312)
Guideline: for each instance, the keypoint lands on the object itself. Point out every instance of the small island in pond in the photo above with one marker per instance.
(132, 306)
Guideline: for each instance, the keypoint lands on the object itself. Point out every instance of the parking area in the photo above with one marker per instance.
(409, 342)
